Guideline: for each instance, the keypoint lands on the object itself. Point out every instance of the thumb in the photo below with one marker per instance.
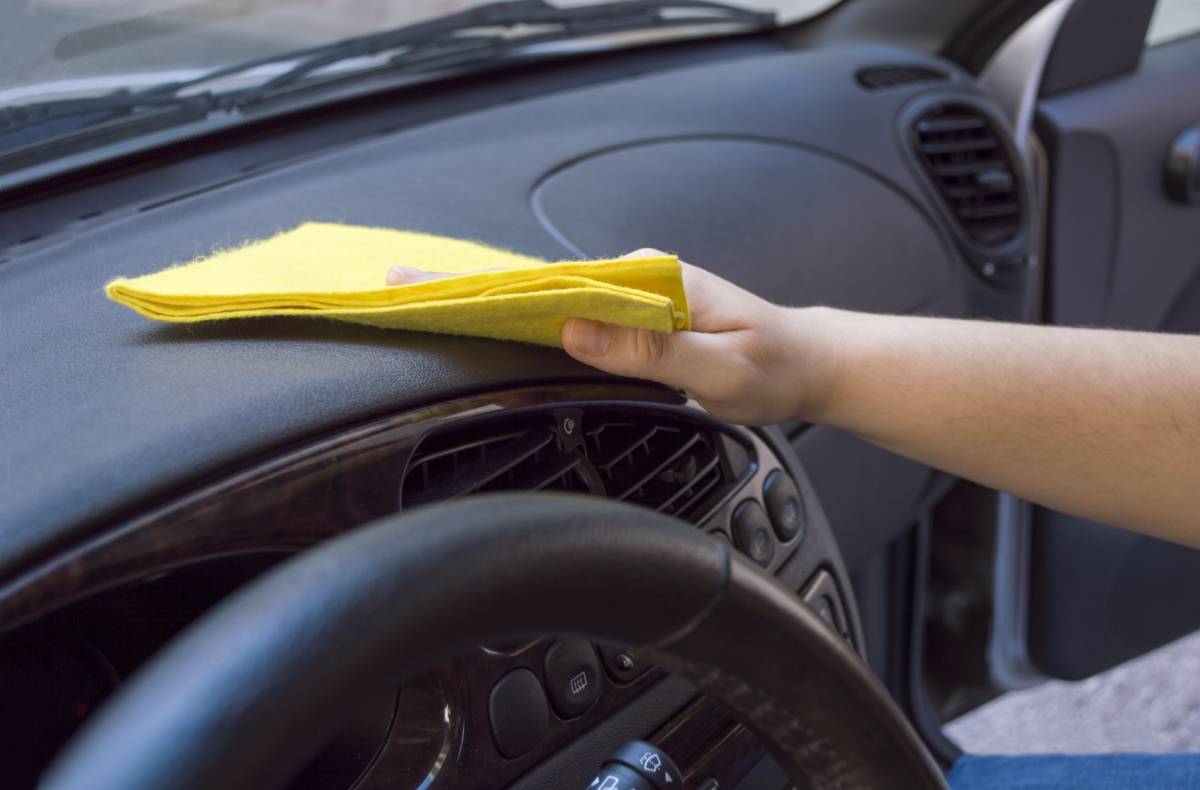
(673, 359)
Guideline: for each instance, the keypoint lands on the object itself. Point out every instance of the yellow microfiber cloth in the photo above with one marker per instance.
(338, 271)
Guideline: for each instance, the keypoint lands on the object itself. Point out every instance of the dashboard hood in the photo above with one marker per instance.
(105, 412)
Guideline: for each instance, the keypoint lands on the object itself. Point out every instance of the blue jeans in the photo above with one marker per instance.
(1079, 772)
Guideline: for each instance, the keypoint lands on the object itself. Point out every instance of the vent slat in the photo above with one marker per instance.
(1007, 209)
(968, 168)
(891, 75)
(998, 234)
(959, 146)
(641, 435)
(700, 492)
(474, 474)
(686, 493)
(951, 123)
(963, 193)
(630, 484)
(479, 444)
(540, 474)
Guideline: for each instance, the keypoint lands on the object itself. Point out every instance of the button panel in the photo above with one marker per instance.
(767, 521)
(543, 688)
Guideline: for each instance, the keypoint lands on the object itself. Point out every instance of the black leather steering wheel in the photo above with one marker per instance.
(410, 591)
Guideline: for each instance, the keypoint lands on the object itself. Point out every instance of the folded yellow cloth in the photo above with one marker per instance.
(339, 271)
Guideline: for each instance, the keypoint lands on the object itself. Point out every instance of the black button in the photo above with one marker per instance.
(517, 708)
(752, 532)
(825, 611)
(572, 676)
(618, 777)
(784, 505)
(621, 665)
(570, 428)
(651, 763)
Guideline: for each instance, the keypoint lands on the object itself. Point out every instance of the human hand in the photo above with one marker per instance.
(744, 360)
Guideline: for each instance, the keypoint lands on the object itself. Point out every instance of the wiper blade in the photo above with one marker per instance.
(440, 43)
(37, 132)
(441, 37)
(22, 115)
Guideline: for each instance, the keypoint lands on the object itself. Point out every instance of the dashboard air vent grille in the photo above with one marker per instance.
(661, 462)
(963, 154)
(889, 76)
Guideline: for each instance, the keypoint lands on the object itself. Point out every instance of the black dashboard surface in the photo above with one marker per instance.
(104, 411)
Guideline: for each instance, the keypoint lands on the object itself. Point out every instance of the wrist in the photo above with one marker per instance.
(817, 370)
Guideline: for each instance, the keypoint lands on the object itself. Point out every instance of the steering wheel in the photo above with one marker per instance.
(413, 590)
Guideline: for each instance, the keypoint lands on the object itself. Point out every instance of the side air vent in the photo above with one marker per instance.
(963, 154)
(889, 76)
(662, 462)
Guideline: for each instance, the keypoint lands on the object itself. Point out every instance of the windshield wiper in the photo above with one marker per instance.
(484, 34)
(439, 43)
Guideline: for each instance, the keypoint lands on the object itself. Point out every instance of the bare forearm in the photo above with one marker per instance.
(1099, 423)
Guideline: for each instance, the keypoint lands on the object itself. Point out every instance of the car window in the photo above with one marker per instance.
(79, 47)
(1173, 19)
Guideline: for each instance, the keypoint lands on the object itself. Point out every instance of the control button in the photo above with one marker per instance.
(572, 676)
(618, 777)
(824, 608)
(652, 763)
(821, 593)
(752, 532)
(784, 505)
(570, 428)
(517, 708)
(621, 665)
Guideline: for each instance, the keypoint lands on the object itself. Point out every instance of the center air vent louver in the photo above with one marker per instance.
(662, 462)
(889, 76)
(963, 154)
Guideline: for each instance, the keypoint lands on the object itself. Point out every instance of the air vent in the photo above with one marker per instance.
(963, 154)
(661, 462)
(889, 76)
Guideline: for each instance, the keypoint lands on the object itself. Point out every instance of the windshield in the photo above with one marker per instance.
(65, 48)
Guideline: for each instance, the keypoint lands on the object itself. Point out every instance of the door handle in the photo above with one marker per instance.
(1182, 176)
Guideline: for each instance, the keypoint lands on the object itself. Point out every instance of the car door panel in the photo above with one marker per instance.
(1121, 253)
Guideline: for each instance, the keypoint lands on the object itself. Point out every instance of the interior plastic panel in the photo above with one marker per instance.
(864, 503)
(760, 200)
(1121, 250)
(107, 413)
(1121, 595)
(1115, 27)
(1121, 254)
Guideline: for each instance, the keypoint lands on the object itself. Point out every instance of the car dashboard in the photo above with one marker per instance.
(639, 444)
(150, 470)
